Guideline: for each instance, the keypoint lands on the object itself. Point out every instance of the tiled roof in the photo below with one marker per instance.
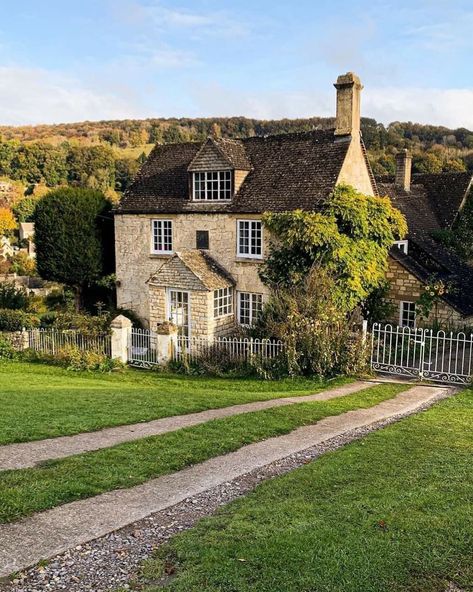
(433, 201)
(288, 171)
(431, 205)
(220, 154)
(203, 272)
(449, 268)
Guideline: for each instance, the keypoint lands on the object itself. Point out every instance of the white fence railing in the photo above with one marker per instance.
(143, 349)
(233, 348)
(433, 355)
(52, 341)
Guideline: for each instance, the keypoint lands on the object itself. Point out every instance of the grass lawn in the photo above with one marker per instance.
(39, 401)
(25, 491)
(392, 512)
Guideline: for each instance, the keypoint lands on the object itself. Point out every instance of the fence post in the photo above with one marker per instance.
(166, 341)
(364, 330)
(25, 339)
(121, 331)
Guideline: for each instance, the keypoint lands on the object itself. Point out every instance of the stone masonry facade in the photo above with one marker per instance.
(136, 264)
(405, 287)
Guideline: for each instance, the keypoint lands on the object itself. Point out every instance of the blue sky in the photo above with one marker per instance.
(107, 59)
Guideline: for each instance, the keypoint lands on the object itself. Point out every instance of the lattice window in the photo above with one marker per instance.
(407, 314)
(161, 239)
(250, 239)
(223, 302)
(250, 306)
(212, 186)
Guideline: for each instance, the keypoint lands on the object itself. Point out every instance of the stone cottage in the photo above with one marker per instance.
(189, 237)
(430, 203)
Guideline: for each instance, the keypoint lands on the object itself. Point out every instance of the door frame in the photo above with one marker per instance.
(189, 310)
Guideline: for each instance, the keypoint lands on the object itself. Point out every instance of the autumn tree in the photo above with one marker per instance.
(7, 221)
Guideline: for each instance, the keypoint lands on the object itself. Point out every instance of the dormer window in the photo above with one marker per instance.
(402, 245)
(212, 186)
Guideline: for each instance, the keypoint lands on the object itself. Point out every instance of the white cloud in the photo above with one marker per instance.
(34, 95)
(448, 107)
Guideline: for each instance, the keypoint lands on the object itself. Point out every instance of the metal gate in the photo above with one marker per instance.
(422, 353)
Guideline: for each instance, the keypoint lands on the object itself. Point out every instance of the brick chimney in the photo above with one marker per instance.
(403, 170)
(349, 90)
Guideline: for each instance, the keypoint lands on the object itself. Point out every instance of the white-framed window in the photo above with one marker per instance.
(407, 314)
(223, 302)
(161, 236)
(250, 306)
(212, 186)
(402, 246)
(250, 239)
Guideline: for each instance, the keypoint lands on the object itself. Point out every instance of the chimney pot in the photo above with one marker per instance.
(349, 90)
(403, 170)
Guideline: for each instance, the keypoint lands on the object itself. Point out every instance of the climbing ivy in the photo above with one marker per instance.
(350, 238)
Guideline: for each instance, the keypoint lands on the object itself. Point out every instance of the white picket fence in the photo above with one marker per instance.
(52, 341)
(234, 348)
(143, 349)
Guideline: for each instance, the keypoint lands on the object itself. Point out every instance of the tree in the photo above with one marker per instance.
(350, 239)
(7, 221)
(74, 237)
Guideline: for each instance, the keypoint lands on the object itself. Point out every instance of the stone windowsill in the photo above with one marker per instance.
(249, 260)
(160, 255)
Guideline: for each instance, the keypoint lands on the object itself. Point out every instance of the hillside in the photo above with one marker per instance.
(107, 154)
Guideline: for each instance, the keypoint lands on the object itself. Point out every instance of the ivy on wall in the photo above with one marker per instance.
(350, 238)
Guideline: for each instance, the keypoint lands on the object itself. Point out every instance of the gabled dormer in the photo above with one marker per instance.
(217, 170)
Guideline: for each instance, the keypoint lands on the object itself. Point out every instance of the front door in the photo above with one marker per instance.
(179, 311)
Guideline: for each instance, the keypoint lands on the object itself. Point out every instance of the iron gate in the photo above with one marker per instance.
(422, 353)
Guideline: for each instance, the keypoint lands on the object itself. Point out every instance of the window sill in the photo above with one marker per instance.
(161, 255)
(240, 259)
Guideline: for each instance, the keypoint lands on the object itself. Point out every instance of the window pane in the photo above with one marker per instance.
(212, 185)
(162, 236)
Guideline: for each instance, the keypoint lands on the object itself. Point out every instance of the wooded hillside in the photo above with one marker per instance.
(106, 154)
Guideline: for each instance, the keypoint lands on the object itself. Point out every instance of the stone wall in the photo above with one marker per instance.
(203, 323)
(354, 170)
(135, 264)
(404, 286)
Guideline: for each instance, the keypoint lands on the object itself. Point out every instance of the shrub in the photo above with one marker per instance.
(7, 351)
(75, 359)
(12, 297)
(16, 320)
(86, 324)
(320, 339)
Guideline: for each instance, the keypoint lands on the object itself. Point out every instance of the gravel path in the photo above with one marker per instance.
(28, 454)
(113, 560)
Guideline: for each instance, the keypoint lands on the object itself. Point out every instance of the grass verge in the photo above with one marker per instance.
(39, 401)
(391, 512)
(25, 491)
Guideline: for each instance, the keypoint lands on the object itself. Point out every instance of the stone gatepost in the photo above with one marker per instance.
(121, 332)
(166, 342)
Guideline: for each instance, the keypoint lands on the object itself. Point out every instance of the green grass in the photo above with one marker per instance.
(392, 512)
(25, 491)
(39, 401)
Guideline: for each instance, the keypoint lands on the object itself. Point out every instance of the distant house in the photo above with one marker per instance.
(430, 202)
(26, 233)
(189, 236)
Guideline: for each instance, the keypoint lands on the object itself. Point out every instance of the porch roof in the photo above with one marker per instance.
(192, 269)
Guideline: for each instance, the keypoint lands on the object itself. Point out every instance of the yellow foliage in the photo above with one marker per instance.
(7, 221)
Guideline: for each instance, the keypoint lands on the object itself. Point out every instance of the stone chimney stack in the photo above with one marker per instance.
(403, 170)
(349, 90)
